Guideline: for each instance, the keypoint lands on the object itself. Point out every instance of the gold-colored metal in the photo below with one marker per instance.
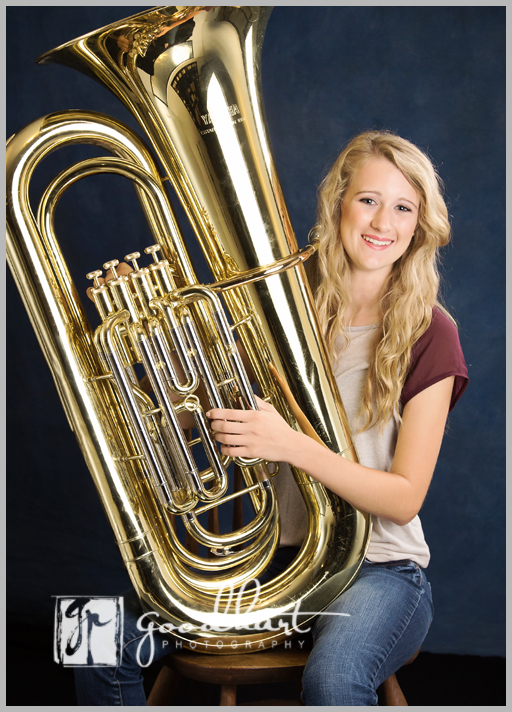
(190, 75)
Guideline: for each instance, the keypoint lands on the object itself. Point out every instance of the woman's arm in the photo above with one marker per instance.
(396, 495)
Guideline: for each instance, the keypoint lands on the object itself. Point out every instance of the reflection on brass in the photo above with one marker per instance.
(190, 75)
(299, 416)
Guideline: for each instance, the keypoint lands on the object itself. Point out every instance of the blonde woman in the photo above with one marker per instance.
(399, 368)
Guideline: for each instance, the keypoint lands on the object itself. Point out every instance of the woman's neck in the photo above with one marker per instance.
(367, 289)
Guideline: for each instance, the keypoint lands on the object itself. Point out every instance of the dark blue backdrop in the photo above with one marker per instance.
(435, 75)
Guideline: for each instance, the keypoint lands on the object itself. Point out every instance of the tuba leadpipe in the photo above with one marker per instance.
(190, 76)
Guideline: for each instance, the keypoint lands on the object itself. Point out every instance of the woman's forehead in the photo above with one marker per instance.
(378, 174)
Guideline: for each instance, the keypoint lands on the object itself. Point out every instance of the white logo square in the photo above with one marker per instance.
(88, 631)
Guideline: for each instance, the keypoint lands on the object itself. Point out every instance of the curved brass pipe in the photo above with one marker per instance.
(196, 94)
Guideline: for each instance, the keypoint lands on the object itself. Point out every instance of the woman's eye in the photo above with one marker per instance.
(404, 208)
(368, 201)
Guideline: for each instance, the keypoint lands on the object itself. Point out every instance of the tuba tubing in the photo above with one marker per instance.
(190, 76)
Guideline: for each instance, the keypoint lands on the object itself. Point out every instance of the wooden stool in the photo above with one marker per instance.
(264, 667)
(391, 690)
(229, 671)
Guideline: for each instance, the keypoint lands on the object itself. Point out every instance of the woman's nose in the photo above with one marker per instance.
(381, 219)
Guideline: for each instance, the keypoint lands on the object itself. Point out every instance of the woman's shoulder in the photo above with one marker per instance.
(442, 323)
(436, 355)
(442, 332)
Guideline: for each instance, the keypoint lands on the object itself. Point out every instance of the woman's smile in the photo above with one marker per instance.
(375, 243)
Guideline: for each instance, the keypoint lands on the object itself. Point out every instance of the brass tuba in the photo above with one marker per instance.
(190, 76)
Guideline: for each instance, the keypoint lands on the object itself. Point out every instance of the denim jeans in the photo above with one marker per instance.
(390, 610)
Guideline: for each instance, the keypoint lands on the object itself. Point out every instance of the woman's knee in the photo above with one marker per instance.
(337, 681)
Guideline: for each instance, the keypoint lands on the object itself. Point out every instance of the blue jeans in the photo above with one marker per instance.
(390, 610)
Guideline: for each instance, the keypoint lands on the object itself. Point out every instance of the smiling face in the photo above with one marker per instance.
(379, 214)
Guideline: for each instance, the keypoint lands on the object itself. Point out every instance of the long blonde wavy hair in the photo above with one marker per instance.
(413, 286)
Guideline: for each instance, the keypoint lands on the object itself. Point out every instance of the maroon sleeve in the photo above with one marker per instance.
(435, 356)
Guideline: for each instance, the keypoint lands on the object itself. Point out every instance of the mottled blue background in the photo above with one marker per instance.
(435, 75)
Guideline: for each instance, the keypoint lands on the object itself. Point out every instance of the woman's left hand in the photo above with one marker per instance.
(259, 433)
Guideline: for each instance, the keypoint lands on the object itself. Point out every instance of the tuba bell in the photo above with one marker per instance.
(190, 76)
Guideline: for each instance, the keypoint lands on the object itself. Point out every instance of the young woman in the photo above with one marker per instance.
(400, 369)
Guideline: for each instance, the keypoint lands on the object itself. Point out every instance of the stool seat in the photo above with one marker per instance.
(265, 666)
(275, 665)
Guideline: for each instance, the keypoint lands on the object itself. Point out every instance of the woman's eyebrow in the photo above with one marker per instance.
(377, 192)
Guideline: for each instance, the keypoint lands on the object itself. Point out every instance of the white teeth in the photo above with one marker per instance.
(379, 243)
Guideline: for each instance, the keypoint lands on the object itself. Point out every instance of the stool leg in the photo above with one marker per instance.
(227, 696)
(164, 688)
(393, 695)
(299, 693)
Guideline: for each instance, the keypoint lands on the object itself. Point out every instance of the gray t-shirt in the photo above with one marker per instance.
(389, 541)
